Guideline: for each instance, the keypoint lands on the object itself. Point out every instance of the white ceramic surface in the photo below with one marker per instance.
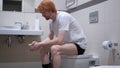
(21, 32)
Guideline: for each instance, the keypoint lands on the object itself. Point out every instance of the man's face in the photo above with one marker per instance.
(46, 15)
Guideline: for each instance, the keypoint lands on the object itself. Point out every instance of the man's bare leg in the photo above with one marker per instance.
(58, 50)
(44, 56)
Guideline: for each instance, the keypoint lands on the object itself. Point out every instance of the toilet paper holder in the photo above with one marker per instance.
(108, 45)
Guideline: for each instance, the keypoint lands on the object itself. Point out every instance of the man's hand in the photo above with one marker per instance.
(34, 46)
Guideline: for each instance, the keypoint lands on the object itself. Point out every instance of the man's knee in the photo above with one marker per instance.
(55, 49)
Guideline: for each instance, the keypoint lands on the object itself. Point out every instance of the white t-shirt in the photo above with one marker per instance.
(68, 23)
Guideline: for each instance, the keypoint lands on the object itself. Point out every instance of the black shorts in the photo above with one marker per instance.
(79, 49)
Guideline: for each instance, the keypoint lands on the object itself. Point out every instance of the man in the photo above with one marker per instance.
(66, 36)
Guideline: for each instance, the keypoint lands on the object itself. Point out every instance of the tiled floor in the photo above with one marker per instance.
(106, 67)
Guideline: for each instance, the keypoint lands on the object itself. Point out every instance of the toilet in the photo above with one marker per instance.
(75, 61)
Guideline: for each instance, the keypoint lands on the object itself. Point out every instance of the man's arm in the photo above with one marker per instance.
(49, 41)
(35, 45)
(56, 41)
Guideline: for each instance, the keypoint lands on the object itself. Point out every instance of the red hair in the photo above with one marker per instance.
(47, 5)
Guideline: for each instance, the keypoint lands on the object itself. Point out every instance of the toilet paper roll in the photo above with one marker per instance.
(107, 45)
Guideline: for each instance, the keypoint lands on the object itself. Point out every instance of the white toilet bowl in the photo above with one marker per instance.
(76, 61)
